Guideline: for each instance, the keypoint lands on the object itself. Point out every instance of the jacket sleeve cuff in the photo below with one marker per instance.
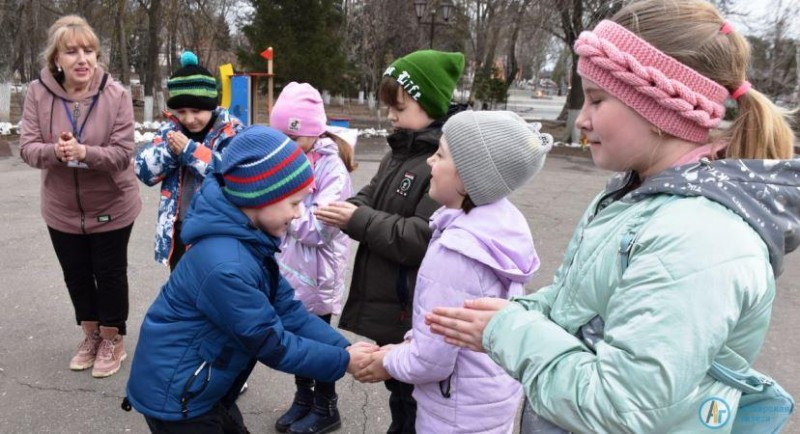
(357, 226)
(526, 342)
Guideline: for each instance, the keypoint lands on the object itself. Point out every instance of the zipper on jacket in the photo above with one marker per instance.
(187, 396)
(625, 189)
(78, 199)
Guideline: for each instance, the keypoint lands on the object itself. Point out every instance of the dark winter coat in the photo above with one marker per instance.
(391, 226)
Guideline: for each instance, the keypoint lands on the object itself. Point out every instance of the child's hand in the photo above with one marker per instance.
(177, 141)
(364, 347)
(359, 357)
(336, 213)
(388, 347)
(464, 327)
(374, 371)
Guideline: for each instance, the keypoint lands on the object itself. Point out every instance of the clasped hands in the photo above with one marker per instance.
(177, 142)
(460, 326)
(68, 149)
(366, 362)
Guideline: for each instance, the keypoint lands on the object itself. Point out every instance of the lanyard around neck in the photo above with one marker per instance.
(75, 115)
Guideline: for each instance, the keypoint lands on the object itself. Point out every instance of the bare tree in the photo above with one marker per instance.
(122, 41)
(574, 17)
(152, 75)
(781, 47)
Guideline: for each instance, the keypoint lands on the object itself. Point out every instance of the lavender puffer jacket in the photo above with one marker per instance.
(470, 256)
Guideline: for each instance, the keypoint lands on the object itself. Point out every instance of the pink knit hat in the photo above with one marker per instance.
(299, 111)
(675, 98)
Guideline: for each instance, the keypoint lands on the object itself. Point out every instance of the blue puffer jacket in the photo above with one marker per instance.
(224, 307)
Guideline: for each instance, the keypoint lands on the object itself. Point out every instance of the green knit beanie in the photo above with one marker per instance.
(429, 77)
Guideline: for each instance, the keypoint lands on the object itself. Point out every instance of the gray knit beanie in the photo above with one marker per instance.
(495, 152)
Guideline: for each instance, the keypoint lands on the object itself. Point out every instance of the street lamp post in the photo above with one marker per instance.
(447, 10)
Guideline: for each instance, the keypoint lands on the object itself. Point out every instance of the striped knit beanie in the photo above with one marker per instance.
(192, 86)
(495, 152)
(262, 166)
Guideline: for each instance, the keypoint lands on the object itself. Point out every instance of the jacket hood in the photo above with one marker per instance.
(325, 146)
(506, 248)
(49, 81)
(765, 193)
(212, 215)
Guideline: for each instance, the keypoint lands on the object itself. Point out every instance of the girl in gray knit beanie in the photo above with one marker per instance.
(481, 246)
(493, 153)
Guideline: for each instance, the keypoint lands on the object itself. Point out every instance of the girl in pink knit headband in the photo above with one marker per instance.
(670, 275)
(673, 64)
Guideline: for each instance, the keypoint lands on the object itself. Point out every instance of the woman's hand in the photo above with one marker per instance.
(464, 327)
(177, 142)
(336, 214)
(68, 148)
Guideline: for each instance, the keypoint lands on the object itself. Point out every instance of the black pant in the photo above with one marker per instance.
(402, 406)
(220, 420)
(95, 270)
(327, 390)
(178, 248)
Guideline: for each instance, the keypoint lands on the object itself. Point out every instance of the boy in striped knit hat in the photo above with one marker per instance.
(227, 307)
(181, 155)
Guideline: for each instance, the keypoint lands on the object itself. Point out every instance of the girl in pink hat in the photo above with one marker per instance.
(314, 256)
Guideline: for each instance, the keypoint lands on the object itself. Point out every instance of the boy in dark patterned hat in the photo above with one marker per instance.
(226, 306)
(180, 156)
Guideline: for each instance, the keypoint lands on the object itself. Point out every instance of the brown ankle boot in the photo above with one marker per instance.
(84, 358)
(110, 353)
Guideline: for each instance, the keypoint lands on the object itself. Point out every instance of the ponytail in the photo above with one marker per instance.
(760, 130)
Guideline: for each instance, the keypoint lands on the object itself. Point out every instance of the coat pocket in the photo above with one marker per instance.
(218, 368)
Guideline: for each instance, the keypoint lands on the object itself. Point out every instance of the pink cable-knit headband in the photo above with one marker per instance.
(669, 94)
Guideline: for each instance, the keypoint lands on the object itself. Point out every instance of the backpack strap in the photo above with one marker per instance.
(750, 382)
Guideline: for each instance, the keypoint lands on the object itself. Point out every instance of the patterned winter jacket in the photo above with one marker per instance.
(156, 163)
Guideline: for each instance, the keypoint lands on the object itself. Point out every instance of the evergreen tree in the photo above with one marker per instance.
(306, 36)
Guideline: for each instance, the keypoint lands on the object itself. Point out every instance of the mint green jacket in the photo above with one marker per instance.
(699, 287)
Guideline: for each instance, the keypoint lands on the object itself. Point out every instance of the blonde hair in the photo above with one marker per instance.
(689, 31)
(69, 28)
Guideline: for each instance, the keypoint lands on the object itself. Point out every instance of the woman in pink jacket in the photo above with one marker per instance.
(77, 126)
(314, 256)
(481, 247)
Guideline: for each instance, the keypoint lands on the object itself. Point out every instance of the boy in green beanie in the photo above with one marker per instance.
(389, 217)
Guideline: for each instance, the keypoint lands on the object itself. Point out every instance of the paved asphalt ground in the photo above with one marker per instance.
(39, 394)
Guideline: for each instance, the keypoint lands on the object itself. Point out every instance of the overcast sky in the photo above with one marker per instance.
(758, 12)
